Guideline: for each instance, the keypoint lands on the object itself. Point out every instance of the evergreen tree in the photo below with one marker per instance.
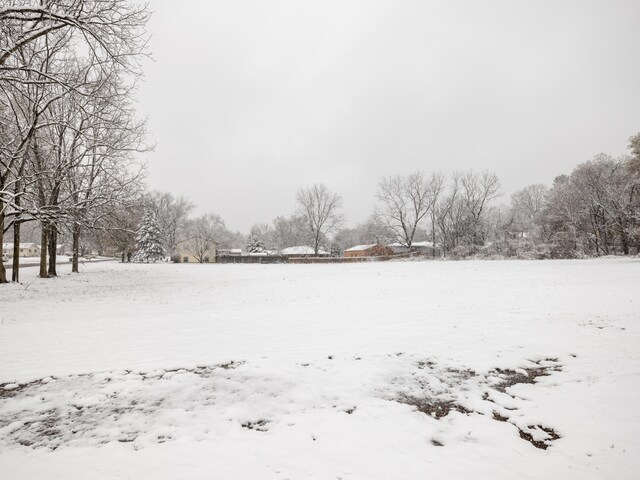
(254, 245)
(148, 242)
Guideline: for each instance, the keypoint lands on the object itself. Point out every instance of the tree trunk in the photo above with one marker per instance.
(53, 245)
(596, 233)
(76, 248)
(43, 251)
(433, 236)
(15, 271)
(3, 272)
(625, 242)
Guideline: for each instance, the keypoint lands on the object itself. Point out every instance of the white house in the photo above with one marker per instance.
(26, 249)
(186, 252)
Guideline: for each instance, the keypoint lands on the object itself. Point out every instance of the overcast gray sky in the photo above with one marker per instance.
(249, 100)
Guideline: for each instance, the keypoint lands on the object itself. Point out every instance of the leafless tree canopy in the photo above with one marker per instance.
(172, 215)
(67, 123)
(321, 211)
(110, 30)
(406, 201)
(203, 234)
(290, 231)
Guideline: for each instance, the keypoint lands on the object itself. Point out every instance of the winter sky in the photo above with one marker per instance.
(249, 100)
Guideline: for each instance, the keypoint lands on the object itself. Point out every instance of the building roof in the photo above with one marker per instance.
(422, 244)
(414, 244)
(230, 251)
(360, 248)
(301, 250)
(22, 245)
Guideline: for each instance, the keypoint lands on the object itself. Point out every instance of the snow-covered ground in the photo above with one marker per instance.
(61, 260)
(399, 370)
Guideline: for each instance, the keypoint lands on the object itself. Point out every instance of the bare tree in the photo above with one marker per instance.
(290, 232)
(529, 201)
(26, 98)
(477, 191)
(634, 161)
(321, 210)
(111, 30)
(439, 182)
(50, 50)
(526, 207)
(375, 230)
(406, 201)
(450, 216)
(203, 235)
(172, 214)
(608, 192)
(372, 231)
(120, 227)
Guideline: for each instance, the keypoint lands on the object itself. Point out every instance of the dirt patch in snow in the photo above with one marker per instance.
(510, 378)
(8, 390)
(153, 407)
(439, 390)
(258, 425)
(127, 407)
(549, 434)
(542, 444)
(437, 408)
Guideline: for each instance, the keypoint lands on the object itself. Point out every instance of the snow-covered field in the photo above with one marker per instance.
(61, 260)
(407, 370)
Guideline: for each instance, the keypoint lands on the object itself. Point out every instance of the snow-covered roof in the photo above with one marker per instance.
(301, 250)
(422, 244)
(414, 244)
(359, 248)
(22, 245)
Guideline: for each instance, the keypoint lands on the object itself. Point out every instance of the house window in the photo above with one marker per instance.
(185, 259)
(206, 259)
(22, 250)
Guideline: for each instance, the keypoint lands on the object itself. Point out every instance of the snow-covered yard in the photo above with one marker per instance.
(404, 370)
(61, 260)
